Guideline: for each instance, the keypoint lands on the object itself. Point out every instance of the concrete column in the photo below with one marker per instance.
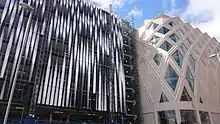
(178, 116)
(156, 117)
(198, 116)
(210, 118)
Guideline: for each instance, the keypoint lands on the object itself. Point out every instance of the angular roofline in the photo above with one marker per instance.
(162, 15)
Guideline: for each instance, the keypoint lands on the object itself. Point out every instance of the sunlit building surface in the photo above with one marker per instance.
(73, 61)
(179, 82)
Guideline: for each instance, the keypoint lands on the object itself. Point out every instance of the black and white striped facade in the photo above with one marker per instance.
(70, 50)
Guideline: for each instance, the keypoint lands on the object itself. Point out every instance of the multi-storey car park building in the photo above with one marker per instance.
(67, 61)
(179, 83)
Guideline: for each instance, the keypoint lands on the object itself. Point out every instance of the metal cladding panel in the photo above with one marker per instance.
(70, 50)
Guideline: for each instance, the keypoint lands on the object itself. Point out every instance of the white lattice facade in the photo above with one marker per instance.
(179, 83)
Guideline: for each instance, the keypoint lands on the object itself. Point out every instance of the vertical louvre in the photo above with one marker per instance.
(66, 51)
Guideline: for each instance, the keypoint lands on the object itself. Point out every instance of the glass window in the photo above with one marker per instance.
(171, 24)
(178, 57)
(153, 26)
(190, 78)
(204, 117)
(192, 62)
(163, 30)
(157, 59)
(174, 37)
(185, 96)
(167, 117)
(163, 98)
(166, 46)
(154, 39)
(171, 77)
(200, 100)
(188, 117)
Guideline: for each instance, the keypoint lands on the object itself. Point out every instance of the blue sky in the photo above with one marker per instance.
(148, 9)
(203, 14)
(143, 9)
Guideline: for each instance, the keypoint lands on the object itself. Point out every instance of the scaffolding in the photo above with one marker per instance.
(129, 33)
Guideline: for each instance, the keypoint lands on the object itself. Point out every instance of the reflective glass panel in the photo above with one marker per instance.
(192, 62)
(185, 96)
(188, 117)
(190, 78)
(174, 37)
(171, 77)
(166, 46)
(167, 117)
(163, 30)
(157, 59)
(204, 117)
(154, 39)
(153, 26)
(178, 57)
(163, 98)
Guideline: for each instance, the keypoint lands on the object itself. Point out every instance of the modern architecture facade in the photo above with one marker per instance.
(73, 61)
(179, 83)
(68, 60)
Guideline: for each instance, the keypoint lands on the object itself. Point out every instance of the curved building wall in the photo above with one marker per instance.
(70, 50)
(179, 83)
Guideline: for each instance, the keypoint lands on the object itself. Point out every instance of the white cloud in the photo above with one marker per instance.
(169, 4)
(114, 3)
(136, 12)
(131, 1)
(204, 14)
